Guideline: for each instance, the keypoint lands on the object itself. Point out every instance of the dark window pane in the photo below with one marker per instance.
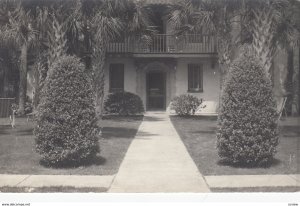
(195, 78)
(116, 74)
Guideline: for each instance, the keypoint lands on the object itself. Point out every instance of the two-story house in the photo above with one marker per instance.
(169, 66)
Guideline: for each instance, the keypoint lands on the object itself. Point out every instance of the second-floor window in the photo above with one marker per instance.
(195, 78)
(116, 78)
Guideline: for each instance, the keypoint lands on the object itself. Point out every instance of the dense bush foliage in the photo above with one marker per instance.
(248, 133)
(185, 104)
(123, 103)
(66, 122)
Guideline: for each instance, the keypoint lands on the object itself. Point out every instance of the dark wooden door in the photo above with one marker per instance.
(156, 91)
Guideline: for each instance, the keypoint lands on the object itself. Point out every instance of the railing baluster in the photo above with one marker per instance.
(127, 44)
(210, 44)
(205, 45)
(206, 42)
(156, 40)
(166, 43)
(160, 44)
(157, 43)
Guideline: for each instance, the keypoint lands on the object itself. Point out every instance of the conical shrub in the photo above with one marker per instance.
(66, 131)
(247, 133)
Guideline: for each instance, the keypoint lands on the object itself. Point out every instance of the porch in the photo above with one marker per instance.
(166, 44)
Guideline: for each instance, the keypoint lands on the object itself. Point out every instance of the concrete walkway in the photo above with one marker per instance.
(157, 161)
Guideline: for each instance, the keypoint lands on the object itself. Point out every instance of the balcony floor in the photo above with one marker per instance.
(163, 55)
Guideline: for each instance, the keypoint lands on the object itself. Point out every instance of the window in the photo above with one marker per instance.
(195, 78)
(116, 77)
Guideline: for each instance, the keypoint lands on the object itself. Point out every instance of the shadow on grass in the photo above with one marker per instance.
(120, 118)
(211, 130)
(274, 162)
(290, 131)
(144, 135)
(152, 119)
(4, 128)
(120, 132)
(98, 160)
(25, 132)
(195, 117)
(17, 131)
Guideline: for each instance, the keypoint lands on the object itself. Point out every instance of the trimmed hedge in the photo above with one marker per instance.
(123, 103)
(66, 131)
(185, 104)
(247, 133)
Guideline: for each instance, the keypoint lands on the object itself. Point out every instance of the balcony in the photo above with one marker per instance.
(166, 44)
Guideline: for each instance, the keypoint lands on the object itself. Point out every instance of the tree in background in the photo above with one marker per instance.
(214, 17)
(111, 19)
(273, 26)
(270, 25)
(19, 30)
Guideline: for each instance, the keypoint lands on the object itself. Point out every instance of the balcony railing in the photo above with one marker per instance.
(166, 43)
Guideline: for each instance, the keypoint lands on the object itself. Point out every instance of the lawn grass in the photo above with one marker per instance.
(198, 133)
(18, 156)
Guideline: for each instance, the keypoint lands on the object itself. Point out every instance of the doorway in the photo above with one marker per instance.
(156, 90)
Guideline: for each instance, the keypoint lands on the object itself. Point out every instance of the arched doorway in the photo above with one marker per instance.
(156, 90)
(156, 82)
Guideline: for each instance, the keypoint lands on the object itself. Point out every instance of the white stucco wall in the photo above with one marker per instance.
(211, 79)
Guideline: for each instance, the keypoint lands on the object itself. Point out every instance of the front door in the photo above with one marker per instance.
(156, 91)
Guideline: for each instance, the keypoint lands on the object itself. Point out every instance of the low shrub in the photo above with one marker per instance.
(247, 133)
(66, 131)
(185, 104)
(123, 103)
(28, 106)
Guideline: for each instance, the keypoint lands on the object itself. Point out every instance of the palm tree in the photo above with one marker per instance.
(214, 17)
(273, 26)
(19, 31)
(110, 19)
(53, 22)
(270, 27)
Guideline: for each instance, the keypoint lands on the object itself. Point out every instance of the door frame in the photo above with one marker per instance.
(164, 75)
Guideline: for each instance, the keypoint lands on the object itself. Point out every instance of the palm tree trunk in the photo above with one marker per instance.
(262, 37)
(98, 78)
(296, 85)
(36, 97)
(23, 80)
(224, 58)
(288, 83)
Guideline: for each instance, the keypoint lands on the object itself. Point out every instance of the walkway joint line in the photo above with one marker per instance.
(23, 180)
